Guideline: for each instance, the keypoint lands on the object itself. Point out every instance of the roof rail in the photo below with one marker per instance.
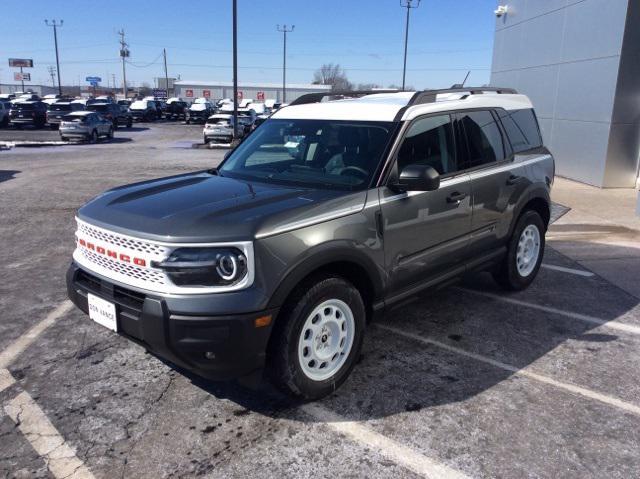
(317, 97)
(430, 96)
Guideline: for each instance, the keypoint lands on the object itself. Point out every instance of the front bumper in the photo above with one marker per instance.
(166, 327)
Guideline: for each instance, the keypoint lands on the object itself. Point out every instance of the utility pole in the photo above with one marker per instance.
(124, 54)
(55, 24)
(284, 30)
(408, 4)
(113, 78)
(166, 76)
(52, 73)
(235, 70)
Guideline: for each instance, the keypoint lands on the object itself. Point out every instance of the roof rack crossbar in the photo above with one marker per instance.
(430, 96)
(317, 97)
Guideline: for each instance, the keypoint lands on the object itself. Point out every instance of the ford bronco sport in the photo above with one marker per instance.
(329, 213)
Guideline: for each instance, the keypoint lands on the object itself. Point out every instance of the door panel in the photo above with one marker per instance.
(425, 233)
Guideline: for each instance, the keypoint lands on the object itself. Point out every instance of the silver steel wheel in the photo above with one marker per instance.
(528, 250)
(326, 339)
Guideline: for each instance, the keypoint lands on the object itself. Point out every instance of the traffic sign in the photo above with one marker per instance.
(93, 79)
(160, 93)
(21, 62)
(17, 76)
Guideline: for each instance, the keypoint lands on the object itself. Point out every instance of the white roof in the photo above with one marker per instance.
(220, 116)
(83, 112)
(385, 106)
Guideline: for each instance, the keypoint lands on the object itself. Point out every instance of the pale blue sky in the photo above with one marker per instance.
(447, 38)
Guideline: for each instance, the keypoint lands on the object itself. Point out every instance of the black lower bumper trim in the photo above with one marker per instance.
(216, 347)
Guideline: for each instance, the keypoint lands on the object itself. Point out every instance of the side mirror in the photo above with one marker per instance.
(419, 178)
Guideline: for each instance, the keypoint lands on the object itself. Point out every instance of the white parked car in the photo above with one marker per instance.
(87, 125)
(219, 129)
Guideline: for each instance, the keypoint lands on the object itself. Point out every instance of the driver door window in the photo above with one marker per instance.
(429, 141)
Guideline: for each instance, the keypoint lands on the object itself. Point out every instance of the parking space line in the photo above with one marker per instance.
(578, 272)
(627, 328)
(23, 342)
(6, 379)
(398, 453)
(609, 400)
(45, 439)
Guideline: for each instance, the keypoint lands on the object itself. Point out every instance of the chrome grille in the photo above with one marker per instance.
(122, 241)
(149, 276)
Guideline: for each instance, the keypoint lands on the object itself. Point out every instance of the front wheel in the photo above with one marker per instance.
(110, 134)
(129, 123)
(524, 255)
(318, 338)
(93, 138)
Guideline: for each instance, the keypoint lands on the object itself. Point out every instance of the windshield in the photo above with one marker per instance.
(59, 107)
(314, 153)
(98, 107)
(75, 118)
(219, 121)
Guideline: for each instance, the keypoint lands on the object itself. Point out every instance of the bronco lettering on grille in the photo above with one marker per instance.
(125, 258)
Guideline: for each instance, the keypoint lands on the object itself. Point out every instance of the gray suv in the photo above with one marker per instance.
(333, 211)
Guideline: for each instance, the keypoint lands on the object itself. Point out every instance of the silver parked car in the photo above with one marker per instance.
(87, 125)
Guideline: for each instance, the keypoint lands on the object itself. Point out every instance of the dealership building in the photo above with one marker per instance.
(257, 91)
(579, 62)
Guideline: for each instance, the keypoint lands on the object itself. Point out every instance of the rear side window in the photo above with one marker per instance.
(522, 129)
(484, 140)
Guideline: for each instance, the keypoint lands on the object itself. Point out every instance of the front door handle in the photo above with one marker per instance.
(514, 180)
(456, 197)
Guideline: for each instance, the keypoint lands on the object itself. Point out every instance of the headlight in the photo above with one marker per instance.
(205, 266)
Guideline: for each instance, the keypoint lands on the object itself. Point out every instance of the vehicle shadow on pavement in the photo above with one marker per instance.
(397, 374)
(6, 175)
(124, 129)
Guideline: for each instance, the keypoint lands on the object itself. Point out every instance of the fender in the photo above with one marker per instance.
(323, 255)
(536, 190)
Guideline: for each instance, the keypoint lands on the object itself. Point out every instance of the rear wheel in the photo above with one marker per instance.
(318, 338)
(524, 256)
(93, 137)
(110, 134)
(129, 122)
(206, 140)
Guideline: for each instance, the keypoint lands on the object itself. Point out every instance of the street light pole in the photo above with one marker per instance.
(408, 4)
(235, 70)
(284, 31)
(55, 24)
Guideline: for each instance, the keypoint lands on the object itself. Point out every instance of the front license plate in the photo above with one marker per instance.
(102, 312)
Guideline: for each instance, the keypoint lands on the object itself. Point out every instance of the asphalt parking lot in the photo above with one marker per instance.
(462, 382)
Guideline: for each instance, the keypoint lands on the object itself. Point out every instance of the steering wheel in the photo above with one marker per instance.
(356, 169)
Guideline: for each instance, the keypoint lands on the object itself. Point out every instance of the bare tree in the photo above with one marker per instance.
(334, 75)
(368, 86)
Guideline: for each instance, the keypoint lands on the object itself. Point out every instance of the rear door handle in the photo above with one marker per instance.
(514, 180)
(456, 197)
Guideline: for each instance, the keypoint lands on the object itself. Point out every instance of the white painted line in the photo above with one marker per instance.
(579, 272)
(400, 454)
(611, 401)
(627, 328)
(23, 342)
(6, 379)
(45, 439)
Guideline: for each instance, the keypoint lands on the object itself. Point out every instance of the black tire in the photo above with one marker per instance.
(507, 274)
(206, 140)
(110, 134)
(129, 122)
(188, 122)
(5, 122)
(115, 124)
(64, 138)
(284, 365)
(93, 138)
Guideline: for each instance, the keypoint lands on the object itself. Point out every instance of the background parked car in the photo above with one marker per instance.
(113, 112)
(219, 129)
(87, 125)
(175, 110)
(143, 110)
(58, 110)
(125, 103)
(5, 106)
(7, 96)
(199, 112)
(28, 113)
(50, 99)
(28, 97)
